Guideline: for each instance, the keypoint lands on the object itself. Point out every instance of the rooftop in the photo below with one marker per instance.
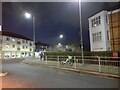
(14, 35)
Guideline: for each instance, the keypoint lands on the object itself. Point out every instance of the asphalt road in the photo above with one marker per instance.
(50, 78)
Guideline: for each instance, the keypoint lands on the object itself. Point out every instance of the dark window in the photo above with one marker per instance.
(8, 39)
(106, 18)
(18, 48)
(23, 41)
(18, 42)
(13, 46)
(30, 44)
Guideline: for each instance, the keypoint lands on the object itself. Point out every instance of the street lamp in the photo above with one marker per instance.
(59, 44)
(81, 37)
(61, 36)
(28, 16)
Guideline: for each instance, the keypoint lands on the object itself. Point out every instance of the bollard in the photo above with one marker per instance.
(99, 64)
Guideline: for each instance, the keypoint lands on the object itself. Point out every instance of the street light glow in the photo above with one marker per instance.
(28, 15)
(61, 36)
(59, 44)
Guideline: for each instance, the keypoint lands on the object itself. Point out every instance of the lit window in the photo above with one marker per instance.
(96, 21)
(13, 39)
(7, 45)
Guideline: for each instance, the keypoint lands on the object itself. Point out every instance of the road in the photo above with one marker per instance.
(41, 77)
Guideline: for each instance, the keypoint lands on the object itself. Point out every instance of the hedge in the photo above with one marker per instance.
(88, 53)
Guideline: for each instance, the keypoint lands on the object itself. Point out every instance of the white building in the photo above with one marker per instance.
(15, 46)
(99, 32)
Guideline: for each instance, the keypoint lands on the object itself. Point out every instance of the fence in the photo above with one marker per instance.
(89, 63)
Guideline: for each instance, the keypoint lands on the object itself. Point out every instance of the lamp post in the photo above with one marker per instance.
(28, 16)
(81, 32)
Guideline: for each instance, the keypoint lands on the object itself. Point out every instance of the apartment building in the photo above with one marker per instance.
(15, 46)
(39, 46)
(99, 32)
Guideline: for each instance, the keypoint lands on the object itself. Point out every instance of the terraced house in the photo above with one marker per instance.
(15, 46)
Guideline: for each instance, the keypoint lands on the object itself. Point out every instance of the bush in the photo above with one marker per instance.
(88, 53)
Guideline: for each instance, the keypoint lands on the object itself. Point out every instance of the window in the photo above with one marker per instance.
(30, 44)
(18, 49)
(30, 49)
(26, 41)
(7, 45)
(100, 37)
(7, 39)
(106, 18)
(93, 37)
(23, 47)
(23, 41)
(99, 20)
(92, 23)
(13, 39)
(26, 47)
(96, 21)
(108, 38)
(96, 37)
(13, 46)
(18, 42)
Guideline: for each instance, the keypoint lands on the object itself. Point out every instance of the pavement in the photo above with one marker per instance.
(24, 75)
(106, 71)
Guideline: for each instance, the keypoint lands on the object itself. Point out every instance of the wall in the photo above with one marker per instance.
(114, 27)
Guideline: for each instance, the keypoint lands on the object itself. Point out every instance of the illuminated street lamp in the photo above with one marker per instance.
(61, 36)
(28, 16)
(59, 44)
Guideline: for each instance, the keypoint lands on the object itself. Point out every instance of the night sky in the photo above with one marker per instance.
(52, 19)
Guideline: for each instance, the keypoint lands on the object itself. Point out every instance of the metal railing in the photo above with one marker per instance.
(109, 65)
